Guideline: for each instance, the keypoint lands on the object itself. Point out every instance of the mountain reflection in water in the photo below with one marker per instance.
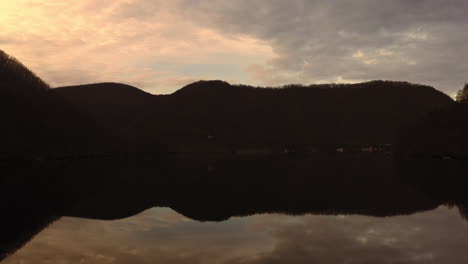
(160, 235)
(217, 188)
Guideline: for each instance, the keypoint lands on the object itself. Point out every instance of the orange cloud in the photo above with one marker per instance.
(72, 42)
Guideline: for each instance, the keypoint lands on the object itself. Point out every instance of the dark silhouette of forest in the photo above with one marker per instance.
(462, 95)
(213, 150)
(211, 116)
(36, 121)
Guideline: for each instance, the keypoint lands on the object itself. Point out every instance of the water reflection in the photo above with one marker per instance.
(217, 188)
(164, 236)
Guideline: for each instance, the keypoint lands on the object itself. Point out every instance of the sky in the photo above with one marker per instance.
(160, 235)
(162, 45)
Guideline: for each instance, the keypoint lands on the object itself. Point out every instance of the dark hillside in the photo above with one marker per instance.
(207, 89)
(371, 112)
(441, 133)
(36, 122)
(18, 80)
(202, 116)
(117, 108)
(22, 95)
(107, 102)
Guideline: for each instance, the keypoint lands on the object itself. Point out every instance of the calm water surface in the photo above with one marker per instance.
(160, 235)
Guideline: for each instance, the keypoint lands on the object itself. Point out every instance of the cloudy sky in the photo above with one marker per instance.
(161, 45)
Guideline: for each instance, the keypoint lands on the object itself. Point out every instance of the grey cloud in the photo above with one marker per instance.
(420, 41)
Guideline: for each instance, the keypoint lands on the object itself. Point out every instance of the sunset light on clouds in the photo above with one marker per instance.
(160, 45)
(74, 42)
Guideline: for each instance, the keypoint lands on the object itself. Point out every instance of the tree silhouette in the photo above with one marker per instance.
(18, 80)
(462, 95)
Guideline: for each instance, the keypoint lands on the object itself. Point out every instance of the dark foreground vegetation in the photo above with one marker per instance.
(213, 150)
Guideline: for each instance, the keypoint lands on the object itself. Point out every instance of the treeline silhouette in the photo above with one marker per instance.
(218, 117)
(18, 80)
(366, 113)
(206, 116)
(438, 134)
(462, 95)
(37, 122)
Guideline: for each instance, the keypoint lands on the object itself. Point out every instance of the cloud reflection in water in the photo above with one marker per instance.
(163, 236)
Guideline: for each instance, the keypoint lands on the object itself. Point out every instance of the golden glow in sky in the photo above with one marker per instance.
(160, 45)
(75, 42)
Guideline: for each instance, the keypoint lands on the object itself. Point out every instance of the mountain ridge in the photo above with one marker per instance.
(211, 115)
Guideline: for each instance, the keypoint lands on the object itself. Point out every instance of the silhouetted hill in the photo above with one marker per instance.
(216, 116)
(17, 80)
(106, 100)
(441, 133)
(371, 112)
(36, 122)
(117, 108)
(203, 116)
(23, 109)
(205, 88)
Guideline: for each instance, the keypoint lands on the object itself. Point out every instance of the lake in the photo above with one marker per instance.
(160, 235)
(211, 209)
